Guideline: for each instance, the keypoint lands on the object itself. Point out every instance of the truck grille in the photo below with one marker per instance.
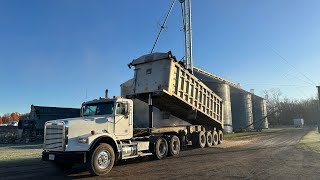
(54, 137)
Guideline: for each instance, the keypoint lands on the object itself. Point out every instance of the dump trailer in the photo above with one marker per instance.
(39, 115)
(105, 133)
(174, 89)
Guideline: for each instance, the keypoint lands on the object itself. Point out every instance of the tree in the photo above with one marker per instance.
(0, 120)
(273, 97)
(6, 118)
(287, 109)
(24, 116)
(14, 116)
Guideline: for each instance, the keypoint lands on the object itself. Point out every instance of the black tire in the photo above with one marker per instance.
(96, 163)
(174, 146)
(209, 139)
(161, 149)
(220, 135)
(215, 138)
(199, 139)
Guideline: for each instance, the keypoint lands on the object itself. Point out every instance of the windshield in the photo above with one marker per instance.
(98, 109)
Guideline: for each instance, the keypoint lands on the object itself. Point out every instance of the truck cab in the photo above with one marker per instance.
(112, 116)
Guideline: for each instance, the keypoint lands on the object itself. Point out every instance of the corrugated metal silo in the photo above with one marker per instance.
(260, 111)
(241, 104)
(222, 90)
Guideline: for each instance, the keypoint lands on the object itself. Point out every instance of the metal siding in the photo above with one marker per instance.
(260, 109)
(241, 105)
(222, 90)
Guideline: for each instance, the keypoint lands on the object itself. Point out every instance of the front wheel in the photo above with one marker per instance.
(101, 160)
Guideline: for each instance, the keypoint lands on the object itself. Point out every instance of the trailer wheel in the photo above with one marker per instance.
(101, 160)
(161, 149)
(174, 146)
(215, 138)
(199, 139)
(209, 139)
(220, 134)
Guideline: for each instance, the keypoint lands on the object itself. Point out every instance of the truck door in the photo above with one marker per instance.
(122, 125)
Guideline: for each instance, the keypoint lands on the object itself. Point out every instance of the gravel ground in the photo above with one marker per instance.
(269, 156)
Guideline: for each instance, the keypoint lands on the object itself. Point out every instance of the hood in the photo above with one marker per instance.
(82, 126)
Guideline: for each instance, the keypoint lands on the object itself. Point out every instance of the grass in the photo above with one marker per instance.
(311, 141)
(245, 135)
(10, 152)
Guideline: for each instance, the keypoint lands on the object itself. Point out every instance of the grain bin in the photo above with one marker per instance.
(222, 89)
(260, 113)
(241, 105)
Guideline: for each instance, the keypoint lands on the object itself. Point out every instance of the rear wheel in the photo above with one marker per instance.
(174, 146)
(161, 149)
(209, 139)
(215, 138)
(199, 139)
(220, 134)
(101, 160)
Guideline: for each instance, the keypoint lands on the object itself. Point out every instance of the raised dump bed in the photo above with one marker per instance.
(175, 89)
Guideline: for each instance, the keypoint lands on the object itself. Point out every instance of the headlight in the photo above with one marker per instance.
(83, 140)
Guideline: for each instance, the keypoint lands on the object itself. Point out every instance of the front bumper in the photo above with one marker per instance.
(73, 157)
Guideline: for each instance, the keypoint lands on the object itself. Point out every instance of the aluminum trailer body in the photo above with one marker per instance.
(174, 89)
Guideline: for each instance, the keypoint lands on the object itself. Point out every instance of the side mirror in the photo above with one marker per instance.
(126, 109)
(81, 111)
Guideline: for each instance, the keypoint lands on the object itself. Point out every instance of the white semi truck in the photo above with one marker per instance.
(105, 133)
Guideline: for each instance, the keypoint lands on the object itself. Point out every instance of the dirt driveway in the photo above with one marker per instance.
(273, 156)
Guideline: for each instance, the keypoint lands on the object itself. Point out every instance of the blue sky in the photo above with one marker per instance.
(53, 52)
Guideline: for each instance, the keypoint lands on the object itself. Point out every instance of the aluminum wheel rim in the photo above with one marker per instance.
(175, 146)
(104, 159)
(203, 139)
(209, 139)
(162, 148)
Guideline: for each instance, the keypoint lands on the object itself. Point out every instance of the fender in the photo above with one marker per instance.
(152, 142)
(104, 136)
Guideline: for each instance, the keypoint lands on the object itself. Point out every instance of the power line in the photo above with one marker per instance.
(292, 66)
(266, 84)
(308, 82)
(162, 27)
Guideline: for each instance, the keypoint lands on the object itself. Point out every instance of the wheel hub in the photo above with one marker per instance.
(103, 159)
(162, 148)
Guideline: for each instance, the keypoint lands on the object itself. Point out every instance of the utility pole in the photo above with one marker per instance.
(187, 28)
(318, 108)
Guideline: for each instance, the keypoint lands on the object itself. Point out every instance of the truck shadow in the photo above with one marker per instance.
(79, 171)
